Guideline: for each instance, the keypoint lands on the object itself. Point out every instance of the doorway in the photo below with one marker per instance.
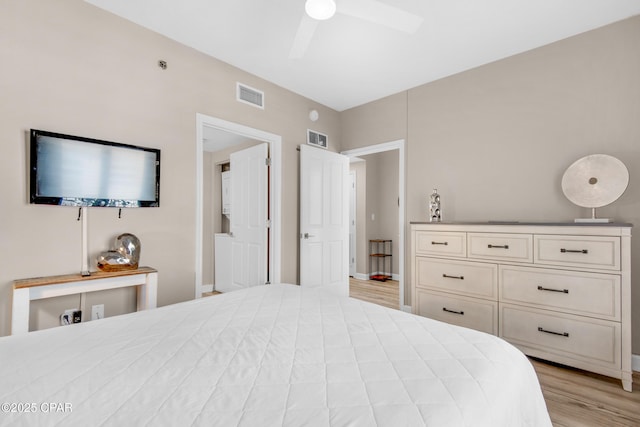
(381, 148)
(205, 124)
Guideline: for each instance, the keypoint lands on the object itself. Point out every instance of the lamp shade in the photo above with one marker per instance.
(320, 9)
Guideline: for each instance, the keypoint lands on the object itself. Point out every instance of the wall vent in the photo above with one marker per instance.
(249, 95)
(316, 138)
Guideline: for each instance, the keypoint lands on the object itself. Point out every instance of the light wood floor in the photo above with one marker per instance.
(382, 293)
(574, 398)
(577, 398)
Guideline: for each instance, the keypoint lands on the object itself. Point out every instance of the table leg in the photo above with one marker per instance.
(20, 312)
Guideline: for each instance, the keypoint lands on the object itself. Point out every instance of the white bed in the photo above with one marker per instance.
(267, 356)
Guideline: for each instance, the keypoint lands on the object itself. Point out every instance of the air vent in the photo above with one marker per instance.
(317, 139)
(249, 95)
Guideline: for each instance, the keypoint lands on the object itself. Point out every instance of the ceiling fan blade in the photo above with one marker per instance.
(381, 13)
(305, 32)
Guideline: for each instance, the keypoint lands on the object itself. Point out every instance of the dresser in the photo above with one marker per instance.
(557, 291)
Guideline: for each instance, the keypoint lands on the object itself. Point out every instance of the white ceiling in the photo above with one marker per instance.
(350, 61)
(214, 139)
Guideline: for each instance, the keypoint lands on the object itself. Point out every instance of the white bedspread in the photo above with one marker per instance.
(267, 356)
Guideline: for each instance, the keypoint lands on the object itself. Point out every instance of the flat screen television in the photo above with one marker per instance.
(70, 170)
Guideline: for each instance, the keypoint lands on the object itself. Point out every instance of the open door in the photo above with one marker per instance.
(248, 219)
(352, 224)
(324, 219)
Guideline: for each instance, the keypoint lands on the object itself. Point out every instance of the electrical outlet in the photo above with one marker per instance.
(97, 311)
(77, 316)
(68, 317)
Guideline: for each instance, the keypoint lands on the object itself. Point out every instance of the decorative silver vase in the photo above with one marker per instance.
(435, 212)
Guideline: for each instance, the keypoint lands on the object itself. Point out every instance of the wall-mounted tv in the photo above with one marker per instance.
(70, 170)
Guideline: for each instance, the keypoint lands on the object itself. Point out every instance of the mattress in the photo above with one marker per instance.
(267, 356)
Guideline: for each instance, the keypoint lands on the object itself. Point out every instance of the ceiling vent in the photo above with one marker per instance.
(249, 95)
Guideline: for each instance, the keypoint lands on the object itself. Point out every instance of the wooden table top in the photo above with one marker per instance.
(77, 277)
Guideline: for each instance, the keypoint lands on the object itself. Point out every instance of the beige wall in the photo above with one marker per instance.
(496, 140)
(382, 202)
(380, 121)
(72, 68)
(372, 223)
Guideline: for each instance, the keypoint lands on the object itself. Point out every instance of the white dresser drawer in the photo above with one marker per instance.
(587, 294)
(461, 277)
(592, 341)
(500, 246)
(578, 251)
(481, 315)
(438, 243)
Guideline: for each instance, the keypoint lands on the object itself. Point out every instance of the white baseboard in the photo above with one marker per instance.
(635, 362)
(207, 288)
(361, 276)
(406, 308)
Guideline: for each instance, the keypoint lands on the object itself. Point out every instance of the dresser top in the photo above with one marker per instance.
(541, 224)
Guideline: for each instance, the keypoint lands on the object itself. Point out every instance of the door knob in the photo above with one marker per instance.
(307, 235)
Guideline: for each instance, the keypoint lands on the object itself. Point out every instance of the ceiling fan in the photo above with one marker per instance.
(373, 11)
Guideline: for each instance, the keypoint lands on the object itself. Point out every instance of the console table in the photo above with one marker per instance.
(27, 290)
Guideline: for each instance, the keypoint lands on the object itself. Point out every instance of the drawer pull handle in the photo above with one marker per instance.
(440, 243)
(574, 251)
(562, 334)
(564, 291)
(453, 311)
(498, 246)
(453, 277)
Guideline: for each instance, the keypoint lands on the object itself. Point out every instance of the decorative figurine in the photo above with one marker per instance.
(435, 212)
(125, 256)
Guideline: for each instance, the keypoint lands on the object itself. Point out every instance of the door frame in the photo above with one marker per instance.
(380, 148)
(275, 191)
(353, 208)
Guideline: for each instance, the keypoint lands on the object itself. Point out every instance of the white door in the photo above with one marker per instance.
(223, 277)
(352, 223)
(324, 219)
(248, 219)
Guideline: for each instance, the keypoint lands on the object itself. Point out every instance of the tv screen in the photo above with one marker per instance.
(75, 171)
